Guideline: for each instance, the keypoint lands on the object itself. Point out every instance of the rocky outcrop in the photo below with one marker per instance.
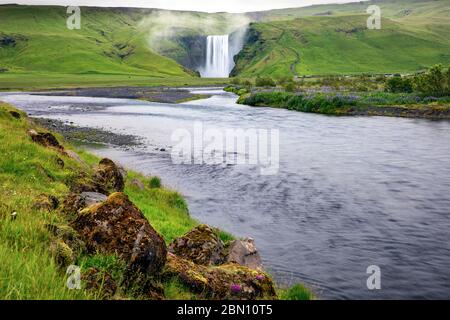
(138, 184)
(200, 245)
(75, 202)
(117, 226)
(45, 139)
(110, 176)
(244, 252)
(62, 253)
(229, 281)
(15, 114)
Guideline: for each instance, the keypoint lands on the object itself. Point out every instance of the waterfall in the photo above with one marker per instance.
(218, 62)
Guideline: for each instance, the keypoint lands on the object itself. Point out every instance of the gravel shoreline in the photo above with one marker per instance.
(89, 135)
(153, 94)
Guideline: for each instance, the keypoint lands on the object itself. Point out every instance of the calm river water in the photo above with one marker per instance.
(351, 192)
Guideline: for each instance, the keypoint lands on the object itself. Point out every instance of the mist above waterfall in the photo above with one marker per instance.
(168, 32)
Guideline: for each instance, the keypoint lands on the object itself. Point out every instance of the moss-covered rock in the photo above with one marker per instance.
(45, 139)
(63, 254)
(201, 245)
(117, 226)
(109, 176)
(228, 281)
(69, 236)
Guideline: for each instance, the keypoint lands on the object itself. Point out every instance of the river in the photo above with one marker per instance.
(350, 192)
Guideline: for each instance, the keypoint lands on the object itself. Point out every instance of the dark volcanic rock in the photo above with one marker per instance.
(110, 176)
(46, 139)
(117, 226)
(200, 245)
(15, 114)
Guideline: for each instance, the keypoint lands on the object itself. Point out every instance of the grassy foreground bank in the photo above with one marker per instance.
(28, 269)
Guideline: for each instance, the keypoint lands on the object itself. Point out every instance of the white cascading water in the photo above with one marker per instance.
(218, 62)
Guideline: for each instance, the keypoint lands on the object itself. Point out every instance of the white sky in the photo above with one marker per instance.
(192, 5)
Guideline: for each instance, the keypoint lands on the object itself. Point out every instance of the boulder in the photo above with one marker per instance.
(62, 253)
(225, 282)
(109, 176)
(138, 184)
(90, 198)
(101, 283)
(68, 236)
(244, 252)
(46, 202)
(200, 245)
(83, 182)
(15, 114)
(45, 139)
(75, 202)
(117, 226)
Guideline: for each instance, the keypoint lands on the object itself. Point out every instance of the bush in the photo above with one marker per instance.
(290, 87)
(235, 81)
(285, 80)
(265, 82)
(155, 182)
(297, 292)
(399, 85)
(434, 82)
(247, 83)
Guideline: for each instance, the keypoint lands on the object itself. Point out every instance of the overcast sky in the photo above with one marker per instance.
(194, 5)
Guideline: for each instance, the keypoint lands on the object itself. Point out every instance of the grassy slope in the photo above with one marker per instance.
(326, 45)
(26, 170)
(110, 48)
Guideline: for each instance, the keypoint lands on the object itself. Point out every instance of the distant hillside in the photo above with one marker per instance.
(331, 39)
(36, 39)
(119, 45)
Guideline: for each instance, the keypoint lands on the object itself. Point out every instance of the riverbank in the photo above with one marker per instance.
(376, 104)
(43, 181)
(152, 94)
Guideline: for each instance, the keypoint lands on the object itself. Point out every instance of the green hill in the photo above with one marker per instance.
(334, 39)
(36, 39)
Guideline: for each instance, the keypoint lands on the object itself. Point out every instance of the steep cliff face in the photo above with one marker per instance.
(195, 51)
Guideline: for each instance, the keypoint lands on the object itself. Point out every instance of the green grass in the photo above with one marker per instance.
(296, 292)
(27, 270)
(297, 43)
(348, 104)
(43, 81)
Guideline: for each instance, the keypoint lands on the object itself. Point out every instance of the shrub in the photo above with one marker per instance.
(290, 87)
(399, 85)
(434, 82)
(282, 81)
(235, 81)
(297, 292)
(155, 182)
(265, 82)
